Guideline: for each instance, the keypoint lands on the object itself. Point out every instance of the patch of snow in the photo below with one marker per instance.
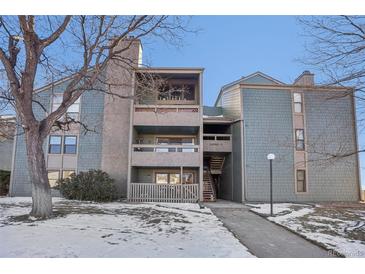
(115, 230)
(332, 232)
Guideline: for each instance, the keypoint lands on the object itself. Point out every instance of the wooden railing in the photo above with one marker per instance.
(165, 148)
(163, 193)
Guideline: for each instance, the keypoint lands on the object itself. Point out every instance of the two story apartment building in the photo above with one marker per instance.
(164, 145)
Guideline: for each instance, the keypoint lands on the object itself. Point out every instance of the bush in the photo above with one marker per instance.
(4, 182)
(94, 185)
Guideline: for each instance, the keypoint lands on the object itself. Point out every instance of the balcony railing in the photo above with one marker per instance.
(165, 148)
(166, 155)
(217, 142)
(167, 115)
(163, 193)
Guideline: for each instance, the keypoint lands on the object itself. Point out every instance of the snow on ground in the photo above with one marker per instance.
(338, 227)
(85, 229)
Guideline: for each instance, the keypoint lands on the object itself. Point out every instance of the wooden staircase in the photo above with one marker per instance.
(216, 164)
(209, 194)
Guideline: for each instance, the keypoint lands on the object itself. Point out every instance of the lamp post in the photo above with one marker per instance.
(271, 157)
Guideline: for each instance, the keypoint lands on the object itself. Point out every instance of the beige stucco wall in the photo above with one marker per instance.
(117, 118)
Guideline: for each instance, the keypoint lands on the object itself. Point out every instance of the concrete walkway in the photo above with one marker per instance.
(263, 238)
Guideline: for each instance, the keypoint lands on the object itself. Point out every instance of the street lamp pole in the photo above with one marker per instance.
(271, 205)
(271, 157)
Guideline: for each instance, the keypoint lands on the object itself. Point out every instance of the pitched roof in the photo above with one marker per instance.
(257, 77)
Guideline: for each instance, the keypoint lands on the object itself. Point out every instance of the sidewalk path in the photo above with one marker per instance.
(263, 238)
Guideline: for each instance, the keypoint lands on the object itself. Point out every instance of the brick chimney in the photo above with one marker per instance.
(305, 79)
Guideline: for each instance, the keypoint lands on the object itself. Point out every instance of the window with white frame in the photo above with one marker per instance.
(70, 144)
(55, 144)
(298, 102)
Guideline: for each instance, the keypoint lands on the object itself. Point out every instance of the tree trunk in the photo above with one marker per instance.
(41, 192)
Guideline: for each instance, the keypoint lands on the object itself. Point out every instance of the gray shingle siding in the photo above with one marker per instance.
(212, 111)
(330, 130)
(236, 162)
(90, 144)
(268, 129)
(6, 152)
(20, 180)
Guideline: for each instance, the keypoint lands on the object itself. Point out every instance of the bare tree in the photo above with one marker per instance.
(36, 51)
(336, 48)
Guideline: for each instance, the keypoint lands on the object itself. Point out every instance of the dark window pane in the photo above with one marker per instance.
(70, 149)
(189, 92)
(55, 149)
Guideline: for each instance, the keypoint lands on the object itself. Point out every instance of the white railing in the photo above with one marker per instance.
(165, 148)
(163, 193)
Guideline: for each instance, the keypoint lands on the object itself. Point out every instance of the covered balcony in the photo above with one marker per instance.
(166, 146)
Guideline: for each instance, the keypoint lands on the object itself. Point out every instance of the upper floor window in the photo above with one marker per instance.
(70, 144)
(55, 143)
(72, 112)
(298, 102)
(301, 181)
(299, 139)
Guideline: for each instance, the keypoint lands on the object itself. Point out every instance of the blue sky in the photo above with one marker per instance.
(229, 47)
